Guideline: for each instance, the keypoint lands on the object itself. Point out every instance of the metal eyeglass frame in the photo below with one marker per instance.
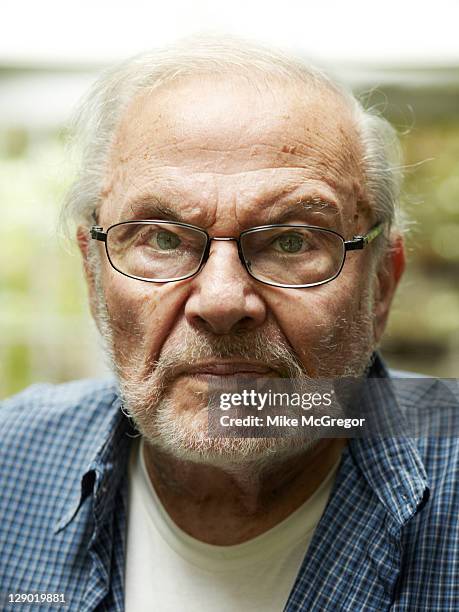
(356, 243)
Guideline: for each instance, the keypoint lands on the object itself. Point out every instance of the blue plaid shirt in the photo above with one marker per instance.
(382, 543)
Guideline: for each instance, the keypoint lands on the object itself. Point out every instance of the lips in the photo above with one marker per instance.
(227, 368)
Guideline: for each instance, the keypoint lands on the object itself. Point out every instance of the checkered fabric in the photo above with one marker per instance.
(382, 542)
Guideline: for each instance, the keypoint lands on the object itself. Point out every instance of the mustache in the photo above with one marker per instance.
(189, 347)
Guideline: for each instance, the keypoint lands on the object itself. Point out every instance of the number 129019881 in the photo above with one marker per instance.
(37, 598)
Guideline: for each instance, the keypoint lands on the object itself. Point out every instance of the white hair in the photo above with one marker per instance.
(98, 117)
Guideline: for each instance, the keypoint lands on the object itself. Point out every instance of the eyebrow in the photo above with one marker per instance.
(312, 205)
(152, 207)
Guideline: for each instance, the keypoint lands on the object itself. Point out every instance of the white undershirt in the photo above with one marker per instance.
(168, 570)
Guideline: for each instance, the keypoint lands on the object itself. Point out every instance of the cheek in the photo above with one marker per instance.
(141, 314)
(305, 319)
(306, 316)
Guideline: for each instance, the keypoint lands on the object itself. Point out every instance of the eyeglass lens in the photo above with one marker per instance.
(293, 255)
(167, 251)
(152, 251)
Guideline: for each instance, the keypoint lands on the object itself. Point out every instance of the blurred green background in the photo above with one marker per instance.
(45, 330)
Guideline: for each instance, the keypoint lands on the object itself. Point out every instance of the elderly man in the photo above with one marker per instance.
(236, 214)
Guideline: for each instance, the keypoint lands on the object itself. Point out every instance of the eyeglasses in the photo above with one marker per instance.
(281, 255)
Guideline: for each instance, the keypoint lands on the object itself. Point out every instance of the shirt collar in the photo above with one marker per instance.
(100, 474)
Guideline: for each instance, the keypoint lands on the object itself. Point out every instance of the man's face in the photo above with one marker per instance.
(226, 155)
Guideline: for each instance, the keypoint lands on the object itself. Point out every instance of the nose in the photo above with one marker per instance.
(224, 299)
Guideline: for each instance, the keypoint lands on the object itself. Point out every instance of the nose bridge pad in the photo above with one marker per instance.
(226, 239)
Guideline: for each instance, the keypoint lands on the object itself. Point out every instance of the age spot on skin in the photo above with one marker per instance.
(289, 149)
(151, 301)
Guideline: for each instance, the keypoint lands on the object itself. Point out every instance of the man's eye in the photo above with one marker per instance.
(289, 243)
(166, 241)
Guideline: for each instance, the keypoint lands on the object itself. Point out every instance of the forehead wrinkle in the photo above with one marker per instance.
(288, 153)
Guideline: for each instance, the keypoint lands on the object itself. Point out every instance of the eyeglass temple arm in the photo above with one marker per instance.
(360, 242)
(97, 233)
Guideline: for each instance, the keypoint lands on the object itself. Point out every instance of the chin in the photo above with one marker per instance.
(184, 436)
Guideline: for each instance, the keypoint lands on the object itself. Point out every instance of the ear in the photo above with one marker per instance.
(83, 239)
(389, 273)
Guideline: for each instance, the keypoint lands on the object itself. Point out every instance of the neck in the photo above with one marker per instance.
(229, 505)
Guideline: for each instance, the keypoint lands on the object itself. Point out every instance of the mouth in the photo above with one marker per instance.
(211, 370)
